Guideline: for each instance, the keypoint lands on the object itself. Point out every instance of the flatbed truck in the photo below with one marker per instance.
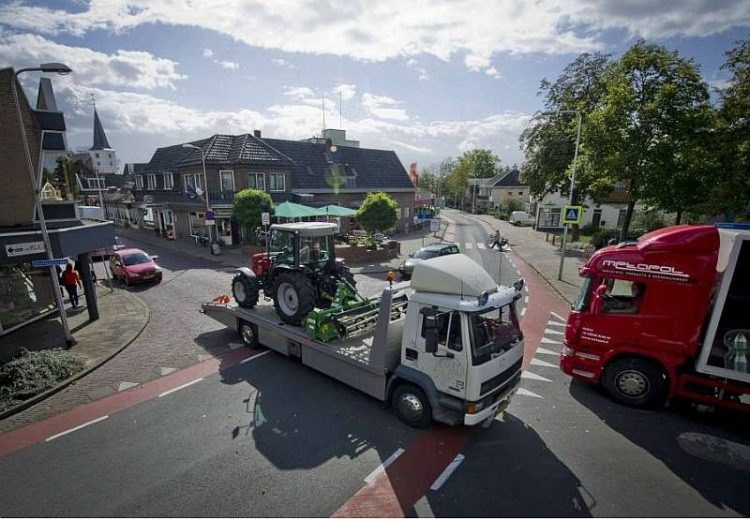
(452, 353)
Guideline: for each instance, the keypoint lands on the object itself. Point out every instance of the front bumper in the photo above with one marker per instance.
(580, 365)
(500, 405)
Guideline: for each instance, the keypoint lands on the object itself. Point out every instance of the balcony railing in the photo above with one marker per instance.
(221, 197)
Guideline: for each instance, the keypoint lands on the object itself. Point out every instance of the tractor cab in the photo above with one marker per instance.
(298, 245)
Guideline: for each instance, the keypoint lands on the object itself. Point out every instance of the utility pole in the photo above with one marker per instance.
(572, 186)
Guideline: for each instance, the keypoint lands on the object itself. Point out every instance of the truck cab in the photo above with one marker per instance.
(463, 336)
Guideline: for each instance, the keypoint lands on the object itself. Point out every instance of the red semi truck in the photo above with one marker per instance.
(666, 316)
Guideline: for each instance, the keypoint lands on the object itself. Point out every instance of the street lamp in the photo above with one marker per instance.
(56, 68)
(205, 179)
(572, 186)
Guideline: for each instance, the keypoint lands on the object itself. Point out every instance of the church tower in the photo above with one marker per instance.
(103, 157)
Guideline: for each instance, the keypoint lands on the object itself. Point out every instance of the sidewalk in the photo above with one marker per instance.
(122, 318)
(540, 254)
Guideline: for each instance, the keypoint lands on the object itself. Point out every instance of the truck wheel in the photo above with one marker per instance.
(635, 382)
(244, 291)
(249, 334)
(293, 297)
(411, 406)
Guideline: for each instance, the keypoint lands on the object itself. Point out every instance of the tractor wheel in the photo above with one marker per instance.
(244, 291)
(293, 297)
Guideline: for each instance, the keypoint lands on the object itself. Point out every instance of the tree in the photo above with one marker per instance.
(482, 163)
(377, 213)
(248, 206)
(64, 177)
(549, 141)
(427, 181)
(654, 102)
(514, 204)
(731, 194)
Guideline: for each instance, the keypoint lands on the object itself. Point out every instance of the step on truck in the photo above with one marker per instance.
(666, 316)
(451, 352)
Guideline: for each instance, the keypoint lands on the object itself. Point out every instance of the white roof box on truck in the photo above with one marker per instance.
(453, 274)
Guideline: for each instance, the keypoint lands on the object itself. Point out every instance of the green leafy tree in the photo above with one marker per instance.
(514, 204)
(481, 163)
(427, 181)
(655, 101)
(731, 193)
(377, 213)
(248, 206)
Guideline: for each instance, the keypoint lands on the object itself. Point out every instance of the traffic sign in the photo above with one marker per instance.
(265, 218)
(434, 225)
(209, 217)
(24, 249)
(571, 214)
(49, 262)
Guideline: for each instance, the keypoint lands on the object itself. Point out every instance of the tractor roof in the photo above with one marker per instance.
(307, 228)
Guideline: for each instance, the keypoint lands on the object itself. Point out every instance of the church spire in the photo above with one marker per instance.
(100, 138)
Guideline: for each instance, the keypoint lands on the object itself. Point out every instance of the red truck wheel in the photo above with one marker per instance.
(635, 382)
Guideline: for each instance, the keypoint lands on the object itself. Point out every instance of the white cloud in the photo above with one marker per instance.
(229, 65)
(207, 53)
(421, 72)
(282, 63)
(493, 72)
(383, 107)
(347, 90)
(130, 68)
(299, 93)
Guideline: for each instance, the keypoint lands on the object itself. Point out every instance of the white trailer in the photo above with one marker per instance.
(453, 354)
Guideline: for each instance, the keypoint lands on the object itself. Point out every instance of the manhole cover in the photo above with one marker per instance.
(718, 450)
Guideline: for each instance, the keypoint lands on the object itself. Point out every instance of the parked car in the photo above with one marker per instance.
(106, 252)
(521, 218)
(133, 266)
(425, 253)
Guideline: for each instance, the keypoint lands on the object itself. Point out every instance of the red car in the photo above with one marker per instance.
(133, 266)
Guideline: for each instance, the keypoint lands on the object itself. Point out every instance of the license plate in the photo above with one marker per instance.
(148, 276)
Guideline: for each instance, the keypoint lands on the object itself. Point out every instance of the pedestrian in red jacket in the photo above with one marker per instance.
(71, 281)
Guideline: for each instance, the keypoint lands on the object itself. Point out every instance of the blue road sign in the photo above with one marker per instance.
(572, 214)
(49, 262)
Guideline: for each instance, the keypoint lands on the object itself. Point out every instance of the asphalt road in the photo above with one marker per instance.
(273, 438)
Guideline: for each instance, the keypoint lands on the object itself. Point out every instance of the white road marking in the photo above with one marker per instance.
(183, 386)
(381, 468)
(553, 332)
(480, 246)
(526, 288)
(545, 340)
(167, 371)
(126, 385)
(523, 311)
(440, 481)
(526, 300)
(525, 392)
(558, 316)
(545, 351)
(468, 246)
(203, 356)
(235, 345)
(541, 363)
(533, 376)
(54, 436)
(244, 361)
(554, 323)
(422, 508)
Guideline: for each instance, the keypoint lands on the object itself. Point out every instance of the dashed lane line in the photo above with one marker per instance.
(77, 428)
(468, 246)
(523, 311)
(381, 468)
(183, 386)
(450, 469)
(480, 246)
(254, 357)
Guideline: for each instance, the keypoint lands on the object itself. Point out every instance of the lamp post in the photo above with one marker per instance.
(572, 186)
(56, 68)
(205, 178)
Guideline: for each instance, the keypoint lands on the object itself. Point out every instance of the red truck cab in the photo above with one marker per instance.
(640, 320)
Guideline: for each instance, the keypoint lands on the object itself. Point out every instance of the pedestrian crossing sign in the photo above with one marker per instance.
(572, 214)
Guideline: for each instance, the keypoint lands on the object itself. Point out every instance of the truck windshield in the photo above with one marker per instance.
(582, 300)
(493, 331)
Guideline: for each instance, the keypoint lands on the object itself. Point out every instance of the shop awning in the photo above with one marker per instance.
(336, 210)
(292, 210)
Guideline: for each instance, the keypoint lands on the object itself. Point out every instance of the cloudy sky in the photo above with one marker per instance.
(427, 78)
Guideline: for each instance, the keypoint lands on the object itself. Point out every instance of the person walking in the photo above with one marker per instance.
(498, 241)
(71, 281)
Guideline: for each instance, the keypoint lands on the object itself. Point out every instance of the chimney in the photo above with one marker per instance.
(256, 134)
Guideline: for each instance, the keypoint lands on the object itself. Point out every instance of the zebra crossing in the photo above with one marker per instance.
(544, 365)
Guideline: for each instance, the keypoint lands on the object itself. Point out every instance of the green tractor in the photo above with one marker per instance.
(299, 271)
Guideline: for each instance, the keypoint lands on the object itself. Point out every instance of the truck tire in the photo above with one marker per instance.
(411, 406)
(244, 291)
(249, 334)
(635, 382)
(293, 297)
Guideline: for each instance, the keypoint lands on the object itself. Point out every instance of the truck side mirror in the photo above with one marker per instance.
(430, 334)
(598, 301)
